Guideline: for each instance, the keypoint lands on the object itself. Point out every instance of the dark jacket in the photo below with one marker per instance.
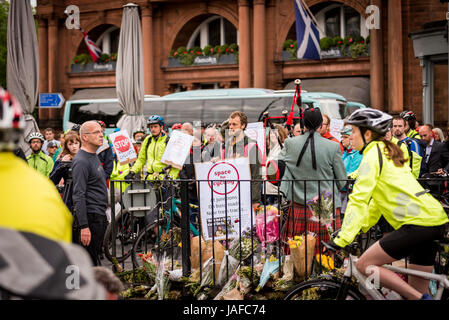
(439, 158)
(63, 171)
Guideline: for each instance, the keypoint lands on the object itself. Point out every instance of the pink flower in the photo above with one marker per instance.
(350, 40)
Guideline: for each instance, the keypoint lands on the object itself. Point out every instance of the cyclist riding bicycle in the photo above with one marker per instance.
(151, 152)
(386, 187)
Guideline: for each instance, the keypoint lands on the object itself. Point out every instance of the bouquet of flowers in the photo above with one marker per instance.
(271, 215)
(322, 210)
(241, 248)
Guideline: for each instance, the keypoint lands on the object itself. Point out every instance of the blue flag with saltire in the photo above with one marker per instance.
(306, 33)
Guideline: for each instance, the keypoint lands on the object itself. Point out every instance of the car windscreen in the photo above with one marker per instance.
(108, 112)
(333, 108)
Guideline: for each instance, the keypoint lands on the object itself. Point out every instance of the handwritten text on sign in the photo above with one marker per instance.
(123, 147)
(225, 197)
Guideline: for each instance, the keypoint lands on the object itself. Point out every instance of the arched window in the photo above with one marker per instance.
(339, 20)
(216, 30)
(108, 40)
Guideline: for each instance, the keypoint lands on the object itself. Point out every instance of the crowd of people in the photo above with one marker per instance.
(375, 150)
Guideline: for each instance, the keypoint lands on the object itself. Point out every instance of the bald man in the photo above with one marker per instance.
(90, 194)
(188, 127)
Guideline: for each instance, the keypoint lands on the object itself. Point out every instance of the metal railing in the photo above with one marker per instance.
(149, 222)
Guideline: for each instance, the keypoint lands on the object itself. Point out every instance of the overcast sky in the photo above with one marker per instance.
(33, 3)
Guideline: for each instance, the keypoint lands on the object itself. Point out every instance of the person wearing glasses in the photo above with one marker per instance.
(324, 131)
(90, 194)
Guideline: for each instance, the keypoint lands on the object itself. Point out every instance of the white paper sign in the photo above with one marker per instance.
(335, 127)
(177, 150)
(218, 184)
(256, 131)
(123, 147)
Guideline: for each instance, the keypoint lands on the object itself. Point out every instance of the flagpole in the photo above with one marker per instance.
(312, 16)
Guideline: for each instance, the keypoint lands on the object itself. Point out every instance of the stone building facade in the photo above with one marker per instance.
(260, 27)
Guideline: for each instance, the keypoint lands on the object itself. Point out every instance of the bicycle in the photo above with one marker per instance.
(351, 284)
(163, 233)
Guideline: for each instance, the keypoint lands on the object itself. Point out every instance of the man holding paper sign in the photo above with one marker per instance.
(237, 145)
(151, 152)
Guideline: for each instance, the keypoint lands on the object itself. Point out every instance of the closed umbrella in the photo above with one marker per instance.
(129, 72)
(22, 71)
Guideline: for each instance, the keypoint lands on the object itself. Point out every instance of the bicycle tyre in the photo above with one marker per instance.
(107, 242)
(319, 289)
(147, 238)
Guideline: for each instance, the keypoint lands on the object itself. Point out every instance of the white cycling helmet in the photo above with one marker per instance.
(35, 135)
(372, 119)
(12, 121)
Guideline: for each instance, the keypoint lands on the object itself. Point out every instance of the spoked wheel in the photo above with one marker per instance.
(123, 238)
(321, 290)
(153, 239)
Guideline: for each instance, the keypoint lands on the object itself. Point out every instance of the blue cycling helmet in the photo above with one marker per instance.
(155, 119)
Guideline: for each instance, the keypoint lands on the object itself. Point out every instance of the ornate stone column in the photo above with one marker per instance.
(395, 57)
(52, 61)
(244, 45)
(148, 49)
(376, 64)
(42, 38)
(259, 53)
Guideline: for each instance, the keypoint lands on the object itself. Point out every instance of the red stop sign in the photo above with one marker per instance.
(121, 144)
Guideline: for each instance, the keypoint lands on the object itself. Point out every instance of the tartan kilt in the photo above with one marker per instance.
(295, 226)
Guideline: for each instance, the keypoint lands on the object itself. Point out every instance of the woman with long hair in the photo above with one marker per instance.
(61, 175)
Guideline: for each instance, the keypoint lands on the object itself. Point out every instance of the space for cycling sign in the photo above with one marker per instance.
(123, 147)
(225, 198)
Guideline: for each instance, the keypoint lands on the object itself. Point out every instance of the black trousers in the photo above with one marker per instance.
(97, 226)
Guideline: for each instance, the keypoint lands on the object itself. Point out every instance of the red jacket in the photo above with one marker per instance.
(328, 136)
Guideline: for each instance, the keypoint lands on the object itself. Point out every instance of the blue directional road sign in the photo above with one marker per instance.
(51, 100)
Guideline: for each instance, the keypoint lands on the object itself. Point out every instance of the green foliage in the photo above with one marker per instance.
(291, 46)
(182, 51)
(348, 40)
(217, 50)
(233, 48)
(82, 59)
(208, 50)
(4, 9)
(358, 49)
(326, 43)
(368, 39)
(338, 41)
(224, 49)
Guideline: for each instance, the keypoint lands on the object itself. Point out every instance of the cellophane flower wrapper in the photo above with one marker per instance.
(272, 224)
(322, 210)
(228, 267)
(162, 275)
(270, 267)
(230, 285)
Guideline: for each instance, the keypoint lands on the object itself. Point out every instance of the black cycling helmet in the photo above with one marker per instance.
(371, 119)
(408, 115)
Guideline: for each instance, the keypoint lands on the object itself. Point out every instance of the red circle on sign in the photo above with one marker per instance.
(121, 143)
(215, 180)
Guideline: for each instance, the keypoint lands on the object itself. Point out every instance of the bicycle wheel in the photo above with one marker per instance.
(153, 238)
(123, 238)
(321, 290)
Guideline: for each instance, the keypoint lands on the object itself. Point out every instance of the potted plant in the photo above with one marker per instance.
(290, 47)
(173, 60)
(79, 62)
(225, 57)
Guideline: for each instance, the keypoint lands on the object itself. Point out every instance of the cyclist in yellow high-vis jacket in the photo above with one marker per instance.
(386, 180)
(151, 152)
